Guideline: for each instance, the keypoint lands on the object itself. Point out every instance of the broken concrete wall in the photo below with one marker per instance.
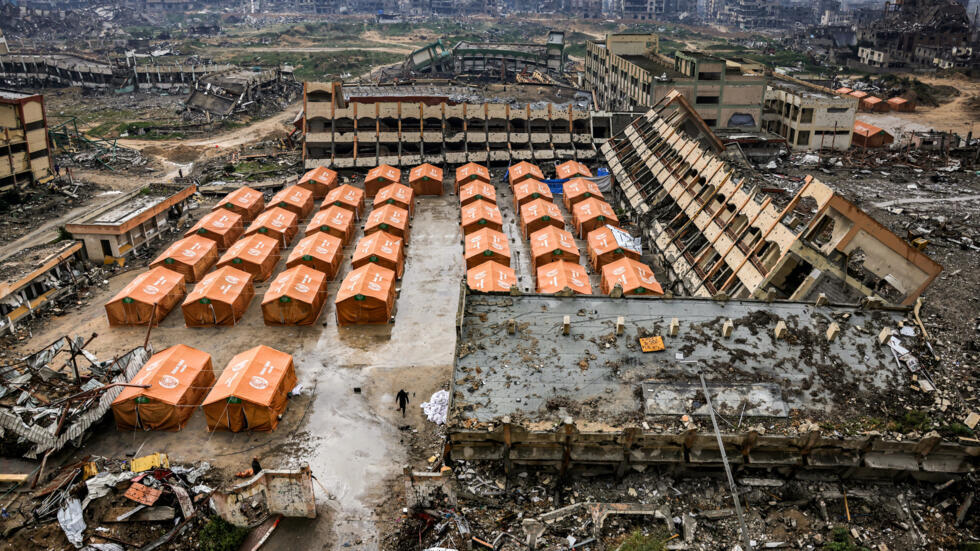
(277, 492)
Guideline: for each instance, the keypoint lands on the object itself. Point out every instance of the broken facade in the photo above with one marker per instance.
(34, 277)
(227, 92)
(24, 141)
(809, 116)
(501, 59)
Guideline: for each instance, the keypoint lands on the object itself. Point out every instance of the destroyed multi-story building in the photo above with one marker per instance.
(504, 60)
(626, 72)
(24, 141)
(809, 116)
(896, 37)
(34, 277)
(718, 233)
(227, 92)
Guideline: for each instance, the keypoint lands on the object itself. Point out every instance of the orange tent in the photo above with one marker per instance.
(426, 179)
(367, 295)
(388, 218)
(178, 377)
(252, 391)
(383, 249)
(320, 181)
(192, 256)
(491, 277)
(592, 213)
(557, 276)
(607, 243)
(148, 298)
(347, 197)
(335, 221)
(486, 244)
(635, 277)
(379, 177)
(578, 189)
(476, 191)
(295, 199)
(572, 169)
(222, 226)
(528, 191)
(550, 244)
(320, 251)
(221, 298)
(245, 202)
(481, 214)
(539, 213)
(295, 297)
(522, 171)
(471, 172)
(278, 223)
(256, 254)
(399, 195)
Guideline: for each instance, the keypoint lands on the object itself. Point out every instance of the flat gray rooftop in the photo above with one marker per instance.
(541, 375)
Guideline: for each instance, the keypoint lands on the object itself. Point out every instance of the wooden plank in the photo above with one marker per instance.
(139, 514)
(13, 478)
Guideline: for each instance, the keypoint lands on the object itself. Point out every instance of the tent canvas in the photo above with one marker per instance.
(609, 243)
(191, 256)
(335, 221)
(295, 199)
(366, 296)
(471, 172)
(256, 254)
(559, 276)
(252, 391)
(540, 213)
(221, 298)
(592, 213)
(179, 378)
(550, 244)
(522, 171)
(572, 169)
(320, 251)
(379, 177)
(295, 297)
(388, 218)
(278, 223)
(480, 214)
(383, 249)
(577, 190)
(484, 245)
(476, 191)
(148, 298)
(347, 197)
(399, 195)
(635, 278)
(426, 179)
(320, 181)
(529, 190)
(224, 227)
(491, 277)
(245, 202)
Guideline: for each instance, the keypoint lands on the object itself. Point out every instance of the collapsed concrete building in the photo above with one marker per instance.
(227, 92)
(718, 233)
(502, 59)
(35, 277)
(923, 33)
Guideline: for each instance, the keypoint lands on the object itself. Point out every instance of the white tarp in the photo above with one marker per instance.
(626, 241)
(437, 407)
(72, 521)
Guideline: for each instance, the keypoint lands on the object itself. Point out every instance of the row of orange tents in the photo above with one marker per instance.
(486, 251)
(425, 179)
(250, 394)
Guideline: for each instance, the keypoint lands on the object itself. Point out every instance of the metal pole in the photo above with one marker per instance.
(728, 468)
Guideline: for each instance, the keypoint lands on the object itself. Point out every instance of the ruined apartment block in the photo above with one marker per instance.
(719, 233)
(626, 72)
(808, 116)
(407, 131)
(24, 140)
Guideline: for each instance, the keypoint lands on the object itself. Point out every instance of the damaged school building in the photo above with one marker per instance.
(497, 58)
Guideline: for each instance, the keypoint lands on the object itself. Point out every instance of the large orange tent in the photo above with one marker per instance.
(335, 221)
(224, 227)
(577, 190)
(528, 191)
(491, 277)
(179, 378)
(320, 181)
(278, 223)
(609, 243)
(539, 213)
(388, 218)
(379, 177)
(399, 195)
(426, 179)
(486, 244)
(572, 169)
(256, 254)
(550, 244)
(295, 297)
(590, 214)
(635, 277)
(320, 251)
(561, 275)
(295, 199)
(366, 296)
(192, 256)
(522, 171)
(383, 249)
(480, 214)
(221, 298)
(347, 197)
(252, 391)
(148, 298)
(245, 202)
(475, 191)
(471, 172)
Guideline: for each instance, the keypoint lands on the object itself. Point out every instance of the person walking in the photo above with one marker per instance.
(402, 398)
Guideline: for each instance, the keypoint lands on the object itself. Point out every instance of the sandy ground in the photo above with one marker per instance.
(954, 116)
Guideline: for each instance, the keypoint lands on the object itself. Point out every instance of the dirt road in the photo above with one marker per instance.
(955, 115)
